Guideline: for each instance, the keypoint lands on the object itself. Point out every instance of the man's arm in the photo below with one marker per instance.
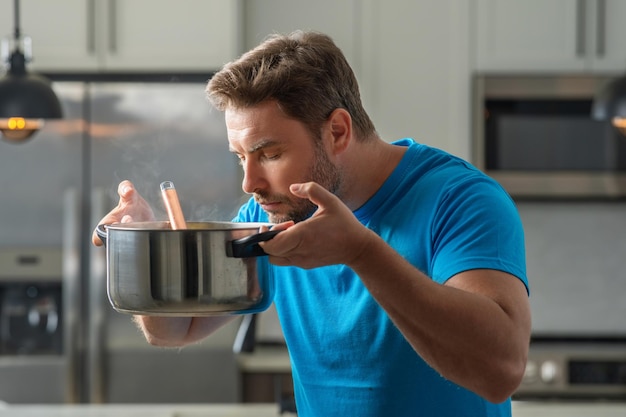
(178, 331)
(474, 330)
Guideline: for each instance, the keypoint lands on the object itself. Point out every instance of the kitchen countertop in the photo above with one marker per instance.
(568, 409)
(520, 409)
(143, 410)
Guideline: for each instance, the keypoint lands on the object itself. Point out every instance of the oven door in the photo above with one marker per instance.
(575, 369)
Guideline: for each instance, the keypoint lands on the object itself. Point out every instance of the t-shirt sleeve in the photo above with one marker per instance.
(478, 227)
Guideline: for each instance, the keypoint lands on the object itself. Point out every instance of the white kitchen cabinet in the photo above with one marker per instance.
(136, 35)
(610, 51)
(336, 18)
(414, 63)
(550, 36)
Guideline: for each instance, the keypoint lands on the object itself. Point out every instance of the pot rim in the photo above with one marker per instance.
(195, 226)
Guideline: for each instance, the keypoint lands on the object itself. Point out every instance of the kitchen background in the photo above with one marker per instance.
(416, 61)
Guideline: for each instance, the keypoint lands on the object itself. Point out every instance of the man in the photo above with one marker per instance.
(400, 272)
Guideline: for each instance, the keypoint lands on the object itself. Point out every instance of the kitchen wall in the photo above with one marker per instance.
(576, 267)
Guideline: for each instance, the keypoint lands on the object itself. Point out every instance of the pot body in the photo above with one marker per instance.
(154, 270)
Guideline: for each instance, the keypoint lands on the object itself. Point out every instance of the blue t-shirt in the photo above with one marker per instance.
(348, 359)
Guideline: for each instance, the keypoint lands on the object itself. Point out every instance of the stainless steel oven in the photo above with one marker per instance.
(575, 369)
(575, 255)
(535, 135)
(33, 358)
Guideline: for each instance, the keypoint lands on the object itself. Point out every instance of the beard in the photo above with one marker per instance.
(323, 172)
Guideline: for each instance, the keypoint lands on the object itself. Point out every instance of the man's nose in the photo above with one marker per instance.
(253, 178)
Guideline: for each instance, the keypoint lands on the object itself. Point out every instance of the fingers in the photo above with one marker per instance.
(95, 239)
(128, 198)
(276, 227)
(126, 191)
(283, 226)
(317, 194)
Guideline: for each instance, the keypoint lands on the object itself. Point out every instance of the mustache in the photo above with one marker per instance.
(263, 198)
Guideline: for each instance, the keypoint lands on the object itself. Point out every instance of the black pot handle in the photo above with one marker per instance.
(248, 246)
(102, 233)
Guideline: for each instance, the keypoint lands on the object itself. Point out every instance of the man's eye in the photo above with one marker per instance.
(272, 157)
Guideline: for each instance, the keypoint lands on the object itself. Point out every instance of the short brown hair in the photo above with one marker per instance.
(305, 72)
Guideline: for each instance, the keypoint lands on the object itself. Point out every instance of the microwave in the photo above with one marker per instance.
(536, 137)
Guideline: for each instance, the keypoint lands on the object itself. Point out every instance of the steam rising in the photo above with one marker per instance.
(176, 137)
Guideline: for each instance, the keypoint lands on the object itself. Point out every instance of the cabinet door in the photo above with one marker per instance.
(334, 18)
(609, 31)
(415, 71)
(137, 35)
(189, 35)
(531, 35)
(62, 32)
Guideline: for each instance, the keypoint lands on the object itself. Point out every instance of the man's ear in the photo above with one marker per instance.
(340, 128)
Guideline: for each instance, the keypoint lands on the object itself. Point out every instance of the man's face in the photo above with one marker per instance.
(276, 151)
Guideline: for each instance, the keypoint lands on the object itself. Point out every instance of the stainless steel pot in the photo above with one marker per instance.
(210, 268)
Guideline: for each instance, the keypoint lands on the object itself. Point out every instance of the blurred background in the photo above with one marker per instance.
(507, 85)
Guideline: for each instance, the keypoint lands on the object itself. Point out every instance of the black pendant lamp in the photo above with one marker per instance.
(610, 104)
(25, 99)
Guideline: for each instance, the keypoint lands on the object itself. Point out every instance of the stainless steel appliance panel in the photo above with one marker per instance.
(535, 135)
(148, 133)
(575, 262)
(33, 362)
(60, 183)
(35, 175)
(580, 370)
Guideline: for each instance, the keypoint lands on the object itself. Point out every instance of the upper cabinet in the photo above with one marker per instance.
(117, 35)
(550, 36)
(414, 61)
(337, 19)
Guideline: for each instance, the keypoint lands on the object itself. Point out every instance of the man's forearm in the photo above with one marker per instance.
(178, 331)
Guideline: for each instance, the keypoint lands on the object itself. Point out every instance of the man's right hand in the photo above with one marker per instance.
(131, 207)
